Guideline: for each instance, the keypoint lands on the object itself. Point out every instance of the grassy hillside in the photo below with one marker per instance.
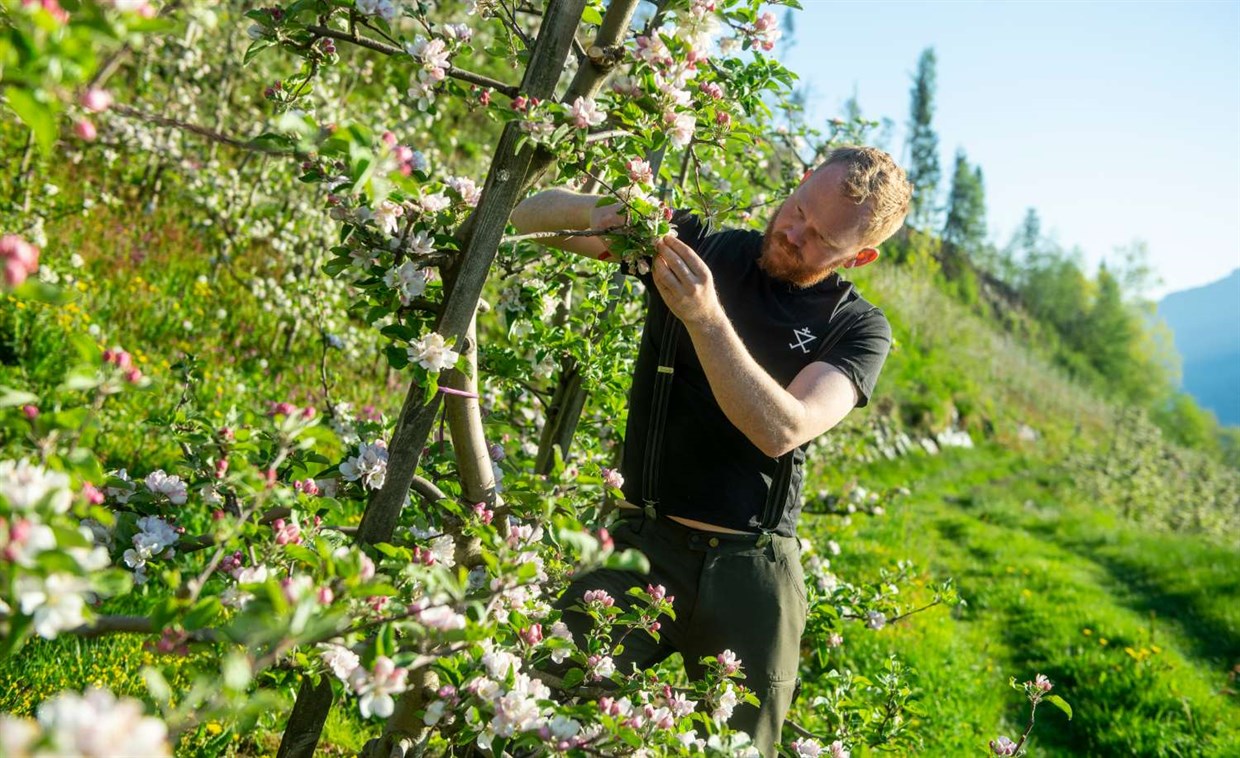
(1139, 627)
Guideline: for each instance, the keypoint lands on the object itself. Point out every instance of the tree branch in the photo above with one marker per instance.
(380, 47)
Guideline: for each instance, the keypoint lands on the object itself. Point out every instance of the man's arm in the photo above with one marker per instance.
(776, 420)
(560, 209)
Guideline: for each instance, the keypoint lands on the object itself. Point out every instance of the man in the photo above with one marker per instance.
(780, 350)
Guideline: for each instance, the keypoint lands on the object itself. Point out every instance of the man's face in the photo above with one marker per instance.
(814, 232)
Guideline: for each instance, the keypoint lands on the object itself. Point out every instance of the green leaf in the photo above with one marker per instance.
(254, 49)
(574, 677)
(42, 292)
(385, 642)
(10, 398)
(157, 685)
(592, 16)
(39, 116)
(1061, 704)
(204, 613)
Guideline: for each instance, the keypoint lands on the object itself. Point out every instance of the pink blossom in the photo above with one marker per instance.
(483, 512)
(287, 533)
(711, 89)
(1042, 683)
(680, 127)
(641, 172)
(599, 596)
(30, 411)
(14, 273)
(605, 541)
(532, 635)
(729, 662)
(585, 113)
(85, 130)
(656, 591)
(96, 100)
(92, 494)
(1003, 746)
(613, 478)
(21, 259)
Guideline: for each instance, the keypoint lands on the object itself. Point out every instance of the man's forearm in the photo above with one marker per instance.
(753, 401)
(552, 210)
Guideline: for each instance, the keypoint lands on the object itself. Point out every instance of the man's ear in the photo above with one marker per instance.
(864, 258)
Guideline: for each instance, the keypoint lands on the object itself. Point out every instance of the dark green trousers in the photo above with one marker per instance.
(732, 592)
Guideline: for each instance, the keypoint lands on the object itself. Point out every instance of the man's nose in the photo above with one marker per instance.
(794, 234)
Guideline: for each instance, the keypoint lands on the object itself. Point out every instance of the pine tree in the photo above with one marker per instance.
(965, 228)
(964, 232)
(923, 145)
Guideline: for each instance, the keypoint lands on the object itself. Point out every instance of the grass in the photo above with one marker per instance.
(1138, 630)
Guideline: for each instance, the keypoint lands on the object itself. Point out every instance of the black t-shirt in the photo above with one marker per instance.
(708, 469)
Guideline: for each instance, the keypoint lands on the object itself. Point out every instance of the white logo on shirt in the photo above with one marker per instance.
(804, 337)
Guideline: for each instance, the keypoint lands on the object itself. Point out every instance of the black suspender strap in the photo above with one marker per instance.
(777, 495)
(672, 329)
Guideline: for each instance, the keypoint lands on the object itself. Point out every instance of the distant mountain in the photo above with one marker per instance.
(1206, 325)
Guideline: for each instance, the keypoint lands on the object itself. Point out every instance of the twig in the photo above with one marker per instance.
(509, 239)
(456, 73)
(203, 131)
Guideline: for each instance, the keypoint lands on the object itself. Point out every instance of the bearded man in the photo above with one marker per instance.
(780, 349)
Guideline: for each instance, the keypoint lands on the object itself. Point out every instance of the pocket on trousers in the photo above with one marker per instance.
(790, 565)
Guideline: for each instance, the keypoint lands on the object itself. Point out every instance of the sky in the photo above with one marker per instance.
(1116, 121)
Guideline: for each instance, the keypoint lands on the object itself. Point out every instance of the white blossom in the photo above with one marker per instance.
(341, 660)
(432, 353)
(584, 113)
(24, 485)
(408, 280)
(377, 687)
(369, 465)
(95, 723)
(55, 602)
(384, 9)
(386, 214)
(168, 485)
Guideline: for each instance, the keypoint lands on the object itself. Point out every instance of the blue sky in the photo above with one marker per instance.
(1117, 121)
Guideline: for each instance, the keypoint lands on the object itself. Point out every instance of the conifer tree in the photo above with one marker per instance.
(965, 227)
(923, 145)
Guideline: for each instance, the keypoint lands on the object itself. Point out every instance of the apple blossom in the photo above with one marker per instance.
(168, 485)
(25, 485)
(96, 100)
(432, 353)
(377, 686)
(408, 279)
(369, 465)
(95, 723)
(85, 130)
(584, 113)
(728, 662)
(386, 214)
(55, 602)
(1003, 746)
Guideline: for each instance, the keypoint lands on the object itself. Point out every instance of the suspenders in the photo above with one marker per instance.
(672, 329)
(781, 482)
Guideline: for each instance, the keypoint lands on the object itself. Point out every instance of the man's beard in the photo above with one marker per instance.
(780, 260)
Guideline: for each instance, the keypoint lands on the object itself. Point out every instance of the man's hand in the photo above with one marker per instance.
(685, 282)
